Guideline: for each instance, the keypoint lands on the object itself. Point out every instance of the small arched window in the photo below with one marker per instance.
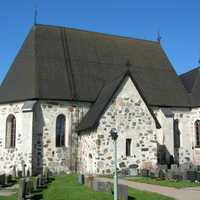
(10, 131)
(60, 131)
(197, 132)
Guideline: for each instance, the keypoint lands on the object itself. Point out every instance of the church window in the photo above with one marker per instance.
(60, 131)
(176, 134)
(197, 132)
(128, 147)
(10, 131)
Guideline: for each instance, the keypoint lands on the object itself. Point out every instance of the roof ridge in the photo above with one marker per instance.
(67, 58)
(196, 68)
(37, 89)
(101, 33)
(196, 79)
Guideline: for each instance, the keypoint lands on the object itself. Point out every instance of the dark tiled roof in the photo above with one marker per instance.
(191, 81)
(91, 120)
(68, 64)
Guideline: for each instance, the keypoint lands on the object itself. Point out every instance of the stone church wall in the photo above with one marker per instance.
(22, 153)
(187, 152)
(46, 154)
(195, 152)
(129, 114)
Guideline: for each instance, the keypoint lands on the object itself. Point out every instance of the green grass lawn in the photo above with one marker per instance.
(167, 183)
(141, 195)
(13, 197)
(67, 188)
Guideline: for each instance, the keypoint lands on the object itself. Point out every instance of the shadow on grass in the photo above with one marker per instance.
(10, 184)
(131, 198)
(37, 194)
(37, 197)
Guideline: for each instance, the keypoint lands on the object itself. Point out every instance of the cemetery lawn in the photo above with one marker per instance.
(13, 197)
(166, 183)
(66, 187)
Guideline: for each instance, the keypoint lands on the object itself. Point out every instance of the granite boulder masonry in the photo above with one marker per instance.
(67, 88)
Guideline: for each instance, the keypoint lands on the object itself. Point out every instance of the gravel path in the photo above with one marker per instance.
(179, 194)
(8, 191)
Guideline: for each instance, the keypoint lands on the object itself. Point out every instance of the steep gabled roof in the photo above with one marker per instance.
(68, 64)
(191, 81)
(20, 82)
(91, 119)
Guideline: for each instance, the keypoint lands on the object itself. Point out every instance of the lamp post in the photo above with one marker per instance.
(114, 137)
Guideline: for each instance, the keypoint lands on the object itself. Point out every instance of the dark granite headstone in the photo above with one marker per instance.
(19, 174)
(24, 170)
(198, 176)
(81, 179)
(28, 173)
(145, 172)
(192, 175)
(3, 179)
(9, 178)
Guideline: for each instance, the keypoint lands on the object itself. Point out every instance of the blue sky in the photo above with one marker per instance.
(177, 20)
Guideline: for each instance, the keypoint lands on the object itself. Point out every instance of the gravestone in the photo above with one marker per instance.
(186, 167)
(154, 173)
(81, 179)
(44, 179)
(99, 186)
(133, 172)
(3, 179)
(89, 181)
(163, 167)
(171, 173)
(174, 167)
(29, 186)
(192, 175)
(28, 173)
(49, 175)
(145, 172)
(14, 172)
(21, 190)
(124, 172)
(122, 192)
(19, 173)
(162, 174)
(9, 178)
(39, 181)
(24, 170)
(34, 179)
(198, 176)
(183, 173)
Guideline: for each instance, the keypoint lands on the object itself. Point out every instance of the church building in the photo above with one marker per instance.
(67, 88)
